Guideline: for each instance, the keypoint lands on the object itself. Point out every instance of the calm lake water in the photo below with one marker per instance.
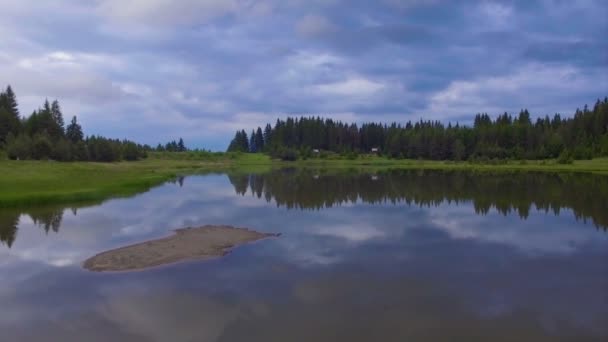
(386, 256)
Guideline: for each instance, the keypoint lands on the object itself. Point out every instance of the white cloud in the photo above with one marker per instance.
(165, 12)
(529, 238)
(313, 25)
(355, 86)
(533, 86)
(351, 232)
(496, 15)
(192, 318)
(407, 4)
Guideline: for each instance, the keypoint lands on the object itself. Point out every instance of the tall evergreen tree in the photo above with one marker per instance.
(11, 102)
(74, 131)
(259, 140)
(10, 122)
(244, 142)
(58, 118)
(180, 145)
(253, 148)
(267, 136)
(5, 125)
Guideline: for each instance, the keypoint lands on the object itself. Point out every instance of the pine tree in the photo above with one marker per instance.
(180, 145)
(10, 121)
(244, 142)
(58, 118)
(74, 131)
(5, 119)
(252, 145)
(259, 140)
(267, 136)
(11, 102)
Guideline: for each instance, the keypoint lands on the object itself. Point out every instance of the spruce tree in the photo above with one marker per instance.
(74, 131)
(252, 146)
(11, 101)
(244, 142)
(267, 136)
(259, 140)
(180, 145)
(5, 119)
(10, 120)
(57, 118)
(236, 143)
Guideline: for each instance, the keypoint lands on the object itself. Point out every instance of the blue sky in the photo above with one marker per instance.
(152, 70)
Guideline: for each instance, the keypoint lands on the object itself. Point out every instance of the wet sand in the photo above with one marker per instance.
(200, 243)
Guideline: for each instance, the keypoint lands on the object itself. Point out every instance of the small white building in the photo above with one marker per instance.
(375, 150)
(316, 150)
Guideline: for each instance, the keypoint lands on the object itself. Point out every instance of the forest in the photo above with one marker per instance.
(44, 135)
(584, 135)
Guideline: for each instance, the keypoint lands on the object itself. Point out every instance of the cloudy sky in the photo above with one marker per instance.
(151, 70)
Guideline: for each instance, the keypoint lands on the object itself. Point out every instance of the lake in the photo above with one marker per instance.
(362, 256)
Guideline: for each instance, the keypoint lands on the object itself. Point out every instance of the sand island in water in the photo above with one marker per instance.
(186, 244)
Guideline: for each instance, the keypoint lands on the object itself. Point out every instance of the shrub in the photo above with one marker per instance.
(286, 154)
(305, 152)
(19, 148)
(101, 150)
(581, 152)
(41, 147)
(352, 155)
(61, 151)
(130, 151)
(80, 151)
(565, 157)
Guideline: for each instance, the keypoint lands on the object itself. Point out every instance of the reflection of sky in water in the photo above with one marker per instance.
(355, 271)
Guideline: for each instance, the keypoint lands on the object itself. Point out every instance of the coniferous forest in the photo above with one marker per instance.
(582, 136)
(45, 135)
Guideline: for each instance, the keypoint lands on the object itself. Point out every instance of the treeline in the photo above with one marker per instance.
(582, 136)
(44, 135)
(172, 146)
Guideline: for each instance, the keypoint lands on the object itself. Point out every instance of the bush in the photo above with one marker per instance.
(288, 154)
(101, 150)
(565, 157)
(483, 160)
(305, 152)
(19, 148)
(41, 147)
(352, 155)
(130, 151)
(62, 151)
(80, 151)
(604, 145)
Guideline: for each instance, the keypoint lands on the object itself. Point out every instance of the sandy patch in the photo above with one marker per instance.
(186, 244)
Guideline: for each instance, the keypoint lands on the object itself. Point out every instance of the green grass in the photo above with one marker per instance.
(597, 166)
(44, 182)
(37, 182)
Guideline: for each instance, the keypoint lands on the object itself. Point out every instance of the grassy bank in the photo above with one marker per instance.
(247, 162)
(596, 166)
(41, 182)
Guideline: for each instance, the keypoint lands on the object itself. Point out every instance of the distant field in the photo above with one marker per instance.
(38, 182)
(598, 166)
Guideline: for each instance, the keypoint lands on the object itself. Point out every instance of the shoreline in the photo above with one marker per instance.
(26, 183)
